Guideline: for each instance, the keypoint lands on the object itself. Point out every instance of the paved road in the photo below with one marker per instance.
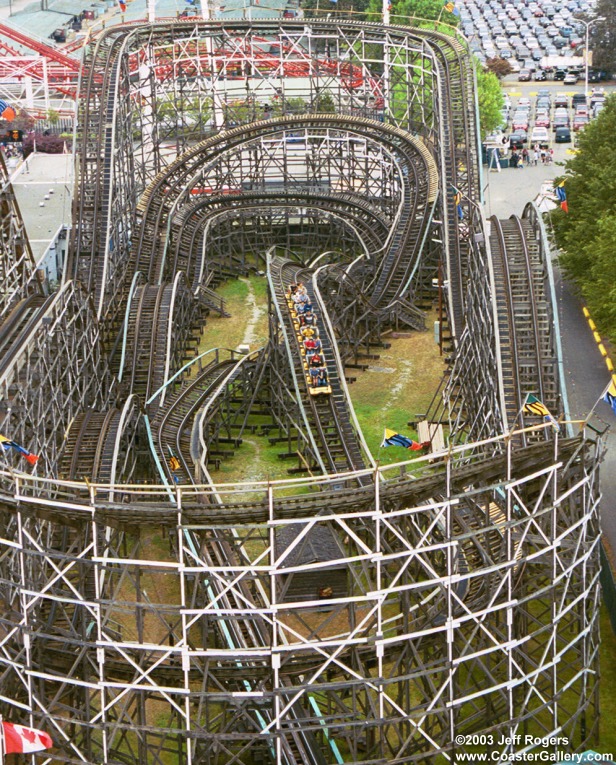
(507, 193)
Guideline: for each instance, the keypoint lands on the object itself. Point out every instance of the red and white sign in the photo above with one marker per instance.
(18, 739)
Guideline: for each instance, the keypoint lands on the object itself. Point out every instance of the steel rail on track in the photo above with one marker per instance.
(503, 284)
(536, 340)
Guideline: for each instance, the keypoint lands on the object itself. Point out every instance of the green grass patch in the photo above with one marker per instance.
(397, 388)
(246, 302)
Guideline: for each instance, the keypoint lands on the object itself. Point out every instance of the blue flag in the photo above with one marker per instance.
(391, 438)
(610, 395)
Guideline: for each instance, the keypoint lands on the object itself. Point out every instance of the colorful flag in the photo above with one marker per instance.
(6, 111)
(174, 463)
(7, 444)
(122, 5)
(451, 8)
(20, 740)
(562, 195)
(457, 198)
(533, 406)
(391, 438)
(610, 395)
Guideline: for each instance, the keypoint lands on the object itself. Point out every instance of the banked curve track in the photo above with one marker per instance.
(271, 655)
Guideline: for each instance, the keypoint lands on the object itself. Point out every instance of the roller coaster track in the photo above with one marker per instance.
(368, 220)
(173, 425)
(158, 323)
(17, 327)
(160, 195)
(327, 416)
(432, 552)
(524, 319)
(458, 149)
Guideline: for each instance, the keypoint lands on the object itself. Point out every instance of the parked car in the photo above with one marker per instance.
(580, 121)
(562, 135)
(562, 100)
(570, 79)
(524, 75)
(539, 135)
(520, 123)
(578, 99)
(542, 120)
(518, 139)
(539, 76)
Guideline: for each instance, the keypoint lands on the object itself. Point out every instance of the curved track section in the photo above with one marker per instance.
(102, 446)
(159, 323)
(174, 424)
(415, 165)
(189, 228)
(368, 615)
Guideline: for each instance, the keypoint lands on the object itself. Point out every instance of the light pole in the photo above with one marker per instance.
(587, 24)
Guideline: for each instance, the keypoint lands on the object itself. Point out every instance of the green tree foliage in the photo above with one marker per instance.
(412, 12)
(491, 101)
(603, 37)
(587, 234)
(422, 13)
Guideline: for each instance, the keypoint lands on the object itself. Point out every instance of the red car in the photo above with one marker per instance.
(520, 123)
(580, 121)
(542, 120)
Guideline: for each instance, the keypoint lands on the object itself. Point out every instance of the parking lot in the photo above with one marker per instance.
(527, 33)
(509, 190)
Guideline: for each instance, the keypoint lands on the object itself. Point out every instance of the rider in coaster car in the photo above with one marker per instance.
(316, 360)
(303, 307)
(318, 377)
(307, 319)
(309, 332)
(312, 345)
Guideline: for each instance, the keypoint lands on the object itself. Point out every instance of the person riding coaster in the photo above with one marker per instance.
(312, 345)
(307, 319)
(307, 332)
(318, 376)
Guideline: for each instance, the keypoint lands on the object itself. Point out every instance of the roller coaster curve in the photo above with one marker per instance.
(356, 612)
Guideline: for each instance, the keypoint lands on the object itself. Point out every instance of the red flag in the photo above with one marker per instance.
(8, 114)
(18, 739)
(122, 6)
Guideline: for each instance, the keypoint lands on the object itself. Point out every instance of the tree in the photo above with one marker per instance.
(491, 100)
(46, 144)
(499, 66)
(603, 37)
(412, 12)
(587, 233)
